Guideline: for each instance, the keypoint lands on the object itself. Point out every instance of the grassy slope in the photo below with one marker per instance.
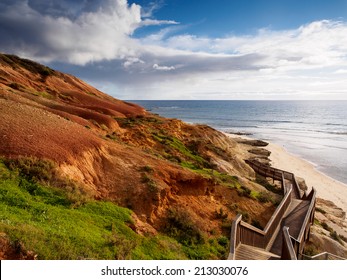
(49, 222)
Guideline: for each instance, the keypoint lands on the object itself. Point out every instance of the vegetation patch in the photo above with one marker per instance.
(320, 210)
(136, 121)
(261, 180)
(333, 234)
(181, 227)
(44, 220)
(195, 244)
(29, 65)
(176, 146)
(16, 86)
(244, 191)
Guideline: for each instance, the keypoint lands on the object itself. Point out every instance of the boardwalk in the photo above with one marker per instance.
(293, 221)
(287, 231)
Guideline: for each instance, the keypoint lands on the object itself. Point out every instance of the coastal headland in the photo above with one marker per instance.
(86, 176)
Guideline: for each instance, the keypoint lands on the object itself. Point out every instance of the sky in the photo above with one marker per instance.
(187, 49)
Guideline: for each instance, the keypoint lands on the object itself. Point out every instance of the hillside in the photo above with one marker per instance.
(84, 175)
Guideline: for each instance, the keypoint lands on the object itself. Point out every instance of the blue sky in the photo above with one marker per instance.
(215, 18)
(187, 49)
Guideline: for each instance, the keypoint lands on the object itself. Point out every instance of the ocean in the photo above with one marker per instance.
(313, 130)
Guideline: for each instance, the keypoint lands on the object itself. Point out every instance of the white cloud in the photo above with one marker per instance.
(297, 63)
(132, 61)
(148, 22)
(100, 34)
(163, 68)
(310, 59)
(341, 71)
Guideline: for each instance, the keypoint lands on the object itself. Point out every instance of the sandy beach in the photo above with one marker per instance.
(327, 187)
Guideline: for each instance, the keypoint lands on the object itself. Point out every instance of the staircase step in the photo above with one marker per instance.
(246, 252)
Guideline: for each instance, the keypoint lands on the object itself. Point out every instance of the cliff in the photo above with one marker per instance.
(179, 181)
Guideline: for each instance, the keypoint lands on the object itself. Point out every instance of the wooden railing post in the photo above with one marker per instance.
(288, 251)
(234, 237)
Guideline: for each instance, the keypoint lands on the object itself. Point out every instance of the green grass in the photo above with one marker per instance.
(45, 220)
(221, 178)
(48, 221)
(196, 245)
(177, 146)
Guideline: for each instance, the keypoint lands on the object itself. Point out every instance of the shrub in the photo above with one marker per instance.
(220, 214)
(244, 191)
(320, 210)
(326, 226)
(261, 180)
(147, 169)
(180, 226)
(310, 250)
(335, 236)
(245, 215)
(15, 86)
(264, 197)
(223, 241)
(31, 168)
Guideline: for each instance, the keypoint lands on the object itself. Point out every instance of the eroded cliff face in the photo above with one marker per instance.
(117, 151)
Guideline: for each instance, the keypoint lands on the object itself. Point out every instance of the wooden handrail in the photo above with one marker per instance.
(288, 252)
(253, 236)
(307, 219)
(297, 188)
(284, 203)
(234, 240)
(326, 256)
(243, 232)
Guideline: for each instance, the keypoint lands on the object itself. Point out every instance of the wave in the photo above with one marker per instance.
(305, 130)
(338, 132)
(167, 107)
(336, 124)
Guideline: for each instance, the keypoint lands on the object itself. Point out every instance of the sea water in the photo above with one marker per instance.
(313, 130)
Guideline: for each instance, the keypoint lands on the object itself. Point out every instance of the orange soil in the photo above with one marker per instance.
(61, 118)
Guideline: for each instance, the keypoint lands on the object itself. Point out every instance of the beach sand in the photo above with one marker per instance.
(327, 187)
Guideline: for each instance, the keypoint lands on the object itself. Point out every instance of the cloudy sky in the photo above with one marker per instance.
(187, 49)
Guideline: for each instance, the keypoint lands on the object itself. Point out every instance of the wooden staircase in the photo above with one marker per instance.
(246, 252)
(285, 234)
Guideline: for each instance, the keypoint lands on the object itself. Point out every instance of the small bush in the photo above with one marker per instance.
(264, 197)
(151, 184)
(147, 169)
(15, 86)
(220, 214)
(335, 236)
(261, 180)
(31, 168)
(181, 227)
(326, 227)
(223, 241)
(103, 127)
(244, 191)
(310, 250)
(320, 210)
(245, 215)
(122, 246)
(233, 207)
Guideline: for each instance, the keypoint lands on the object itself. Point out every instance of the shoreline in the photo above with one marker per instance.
(327, 187)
